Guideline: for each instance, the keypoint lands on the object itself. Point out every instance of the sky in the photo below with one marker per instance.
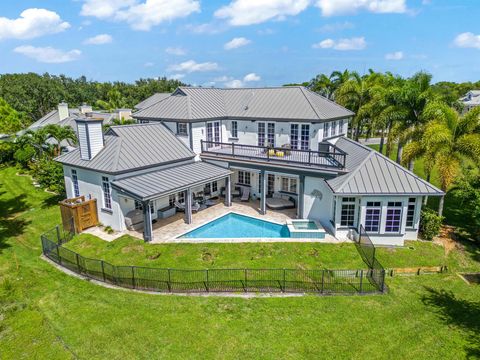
(240, 43)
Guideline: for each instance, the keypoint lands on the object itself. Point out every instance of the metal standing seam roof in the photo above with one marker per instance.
(130, 147)
(281, 103)
(171, 180)
(371, 173)
(151, 100)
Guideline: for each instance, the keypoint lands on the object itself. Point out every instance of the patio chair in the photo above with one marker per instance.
(245, 194)
(180, 207)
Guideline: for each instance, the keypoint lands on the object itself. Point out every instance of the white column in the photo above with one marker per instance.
(263, 193)
(228, 191)
(301, 196)
(147, 222)
(188, 206)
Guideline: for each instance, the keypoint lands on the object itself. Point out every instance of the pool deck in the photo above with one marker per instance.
(168, 230)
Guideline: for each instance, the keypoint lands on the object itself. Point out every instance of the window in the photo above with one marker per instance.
(305, 137)
(411, 212)
(289, 184)
(244, 177)
(171, 200)
(394, 217)
(261, 134)
(209, 132)
(347, 217)
(107, 196)
(216, 133)
(182, 129)
(326, 129)
(271, 134)
(372, 216)
(334, 128)
(294, 136)
(214, 186)
(181, 197)
(76, 189)
(234, 129)
(340, 127)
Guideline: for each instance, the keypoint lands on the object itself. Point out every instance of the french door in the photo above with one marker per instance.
(213, 134)
(266, 131)
(270, 184)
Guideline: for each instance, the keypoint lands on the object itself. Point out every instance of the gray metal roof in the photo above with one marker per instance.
(288, 103)
(151, 100)
(371, 173)
(171, 180)
(131, 147)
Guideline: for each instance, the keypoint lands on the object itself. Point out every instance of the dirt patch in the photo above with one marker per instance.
(447, 239)
(206, 256)
(132, 249)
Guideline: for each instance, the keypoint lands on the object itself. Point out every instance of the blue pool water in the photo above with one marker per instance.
(239, 226)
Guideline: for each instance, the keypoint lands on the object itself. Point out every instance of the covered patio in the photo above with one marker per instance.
(145, 188)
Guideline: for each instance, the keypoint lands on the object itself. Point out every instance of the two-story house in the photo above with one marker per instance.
(284, 146)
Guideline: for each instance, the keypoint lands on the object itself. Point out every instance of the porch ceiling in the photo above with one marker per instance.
(168, 181)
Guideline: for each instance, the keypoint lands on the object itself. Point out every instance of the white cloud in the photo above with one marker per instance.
(175, 51)
(356, 43)
(236, 43)
(177, 76)
(397, 55)
(336, 27)
(32, 23)
(140, 16)
(467, 40)
(235, 83)
(48, 54)
(149, 64)
(99, 40)
(192, 66)
(223, 78)
(247, 12)
(251, 77)
(342, 7)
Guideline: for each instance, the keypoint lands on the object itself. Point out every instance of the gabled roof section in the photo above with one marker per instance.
(281, 103)
(151, 100)
(132, 147)
(371, 173)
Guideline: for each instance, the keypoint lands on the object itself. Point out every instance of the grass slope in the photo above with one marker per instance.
(45, 313)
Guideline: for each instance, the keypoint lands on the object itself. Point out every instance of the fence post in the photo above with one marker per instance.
(78, 263)
(245, 274)
(58, 234)
(284, 282)
(361, 281)
(58, 255)
(169, 282)
(103, 270)
(323, 278)
(206, 284)
(133, 276)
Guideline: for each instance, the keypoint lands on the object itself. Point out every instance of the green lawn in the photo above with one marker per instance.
(128, 250)
(46, 314)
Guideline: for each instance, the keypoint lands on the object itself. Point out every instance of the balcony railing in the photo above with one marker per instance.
(333, 158)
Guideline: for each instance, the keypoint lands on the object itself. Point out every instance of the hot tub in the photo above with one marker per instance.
(306, 229)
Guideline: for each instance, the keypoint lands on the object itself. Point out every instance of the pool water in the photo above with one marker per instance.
(234, 225)
(305, 225)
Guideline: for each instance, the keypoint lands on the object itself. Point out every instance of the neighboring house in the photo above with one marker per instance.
(65, 116)
(471, 100)
(285, 141)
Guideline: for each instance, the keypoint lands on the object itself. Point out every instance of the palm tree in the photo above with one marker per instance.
(448, 140)
(37, 139)
(323, 85)
(59, 134)
(114, 101)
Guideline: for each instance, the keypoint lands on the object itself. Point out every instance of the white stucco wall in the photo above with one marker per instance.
(318, 207)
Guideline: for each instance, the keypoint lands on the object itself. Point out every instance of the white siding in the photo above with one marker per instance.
(95, 133)
(82, 141)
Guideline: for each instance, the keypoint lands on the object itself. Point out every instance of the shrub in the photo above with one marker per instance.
(49, 175)
(24, 155)
(7, 151)
(430, 224)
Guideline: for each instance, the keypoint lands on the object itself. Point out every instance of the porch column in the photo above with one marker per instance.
(301, 196)
(147, 221)
(228, 191)
(263, 192)
(188, 206)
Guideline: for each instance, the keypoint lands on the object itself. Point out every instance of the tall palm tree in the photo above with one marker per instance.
(448, 140)
(323, 85)
(37, 139)
(114, 101)
(59, 134)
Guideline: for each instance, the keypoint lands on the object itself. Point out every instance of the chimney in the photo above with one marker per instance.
(125, 114)
(63, 110)
(84, 108)
(90, 137)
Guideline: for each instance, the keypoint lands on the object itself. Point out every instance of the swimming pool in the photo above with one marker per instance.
(233, 225)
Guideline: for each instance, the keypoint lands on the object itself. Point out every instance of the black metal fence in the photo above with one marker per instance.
(212, 280)
(366, 249)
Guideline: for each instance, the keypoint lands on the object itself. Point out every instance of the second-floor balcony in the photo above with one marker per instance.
(331, 157)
